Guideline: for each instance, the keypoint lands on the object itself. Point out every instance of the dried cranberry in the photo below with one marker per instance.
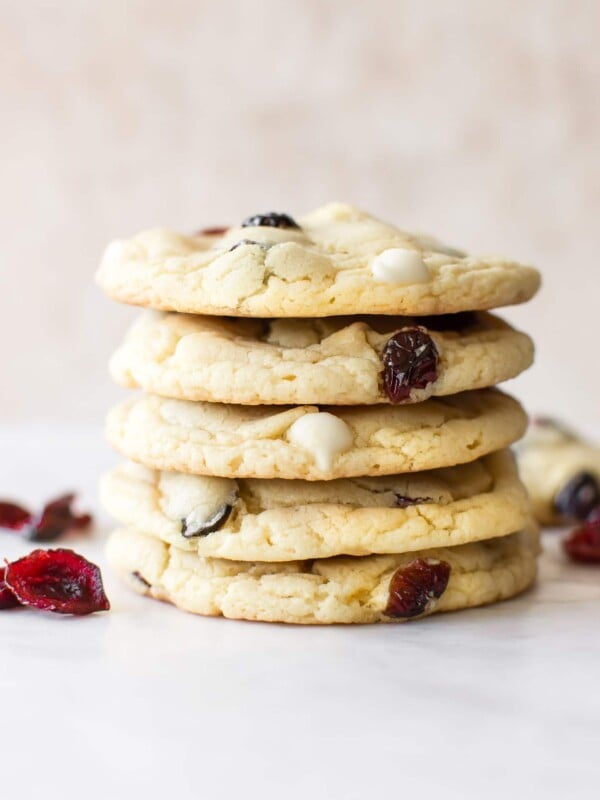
(216, 231)
(57, 580)
(14, 517)
(578, 497)
(410, 361)
(7, 598)
(270, 220)
(583, 544)
(402, 501)
(57, 518)
(415, 587)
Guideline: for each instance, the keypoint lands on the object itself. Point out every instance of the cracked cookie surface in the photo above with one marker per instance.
(337, 360)
(324, 591)
(339, 260)
(309, 443)
(278, 520)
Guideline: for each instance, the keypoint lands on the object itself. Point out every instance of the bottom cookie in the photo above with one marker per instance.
(344, 589)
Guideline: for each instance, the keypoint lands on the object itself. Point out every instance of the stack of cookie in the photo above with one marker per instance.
(318, 441)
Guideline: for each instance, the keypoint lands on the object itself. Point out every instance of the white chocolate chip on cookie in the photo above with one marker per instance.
(322, 434)
(399, 265)
(200, 505)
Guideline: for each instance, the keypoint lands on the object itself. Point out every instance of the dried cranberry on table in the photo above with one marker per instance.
(7, 598)
(415, 587)
(579, 497)
(57, 580)
(57, 517)
(14, 517)
(270, 220)
(410, 361)
(583, 544)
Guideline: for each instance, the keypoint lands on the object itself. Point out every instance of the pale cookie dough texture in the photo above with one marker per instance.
(336, 262)
(551, 457)
(277, 520)
(333, 590)
(330, 361)
(276, 442)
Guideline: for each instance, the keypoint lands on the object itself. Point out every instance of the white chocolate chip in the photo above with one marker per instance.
(399, 265)
(323, 435)
(193, 496)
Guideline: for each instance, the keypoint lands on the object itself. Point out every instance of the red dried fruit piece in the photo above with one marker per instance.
(57, 518)
(583, 544)
(13, 516)
(415, 587)
(410, 360)
(57, 580)
(7, 598)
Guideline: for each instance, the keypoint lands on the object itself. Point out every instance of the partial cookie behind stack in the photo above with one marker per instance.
(302, 466)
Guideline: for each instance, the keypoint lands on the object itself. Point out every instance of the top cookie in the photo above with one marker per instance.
(336, 260)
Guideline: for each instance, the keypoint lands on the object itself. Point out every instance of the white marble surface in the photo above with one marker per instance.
(149, 702)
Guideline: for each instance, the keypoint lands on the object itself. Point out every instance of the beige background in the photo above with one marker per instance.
(478, 121)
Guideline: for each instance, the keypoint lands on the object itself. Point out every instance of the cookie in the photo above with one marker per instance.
(561, 471)
(336, 260)
(309, 443)
(278, 520)
(333, 361)
(385, 588)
